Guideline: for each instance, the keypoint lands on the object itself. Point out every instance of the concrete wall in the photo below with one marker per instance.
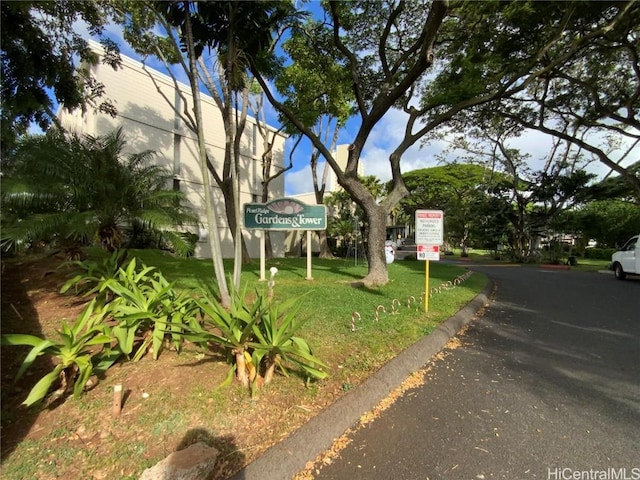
(147, 102)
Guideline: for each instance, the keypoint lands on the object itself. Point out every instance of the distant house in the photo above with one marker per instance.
(147, 102)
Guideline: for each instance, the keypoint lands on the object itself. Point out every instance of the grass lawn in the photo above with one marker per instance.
(178, 399)
(487, 256)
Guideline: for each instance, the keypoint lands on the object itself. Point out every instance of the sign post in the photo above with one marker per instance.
(429, 237)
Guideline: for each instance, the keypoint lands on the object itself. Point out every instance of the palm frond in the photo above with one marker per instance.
(83, 187)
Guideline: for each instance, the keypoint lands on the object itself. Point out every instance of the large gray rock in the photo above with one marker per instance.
(193, 463)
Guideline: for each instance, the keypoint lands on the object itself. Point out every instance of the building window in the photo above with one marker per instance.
(176, 153)
(254, 147)
(256, 176)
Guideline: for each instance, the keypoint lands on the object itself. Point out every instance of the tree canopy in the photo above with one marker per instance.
(581, 84)
(568, 69)
(41, 54)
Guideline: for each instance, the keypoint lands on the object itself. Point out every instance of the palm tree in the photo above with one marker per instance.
(68, 189)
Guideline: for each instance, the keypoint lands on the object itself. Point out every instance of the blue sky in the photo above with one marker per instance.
(384, 138)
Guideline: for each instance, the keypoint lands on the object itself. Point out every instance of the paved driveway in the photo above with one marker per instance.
(545, 386)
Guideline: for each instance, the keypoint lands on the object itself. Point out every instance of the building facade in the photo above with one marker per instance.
(295, 242)
(150, 106)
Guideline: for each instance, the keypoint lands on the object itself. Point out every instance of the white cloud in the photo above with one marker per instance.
(385, 138)
(299, 181)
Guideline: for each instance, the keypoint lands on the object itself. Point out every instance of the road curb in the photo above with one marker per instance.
(290, 456)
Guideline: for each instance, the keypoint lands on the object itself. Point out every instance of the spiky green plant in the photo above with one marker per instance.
(61, 188)
(146, 306)
(82, 349)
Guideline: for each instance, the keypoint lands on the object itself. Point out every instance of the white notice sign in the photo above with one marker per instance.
(428, 252)
(429, 227)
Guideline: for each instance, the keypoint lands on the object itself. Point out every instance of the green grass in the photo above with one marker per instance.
(591, 265)
(329, 300)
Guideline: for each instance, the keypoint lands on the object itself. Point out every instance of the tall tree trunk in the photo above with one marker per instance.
(233, 129)
(376, 236)
(325, 251)
(231, 219)
(214, 233)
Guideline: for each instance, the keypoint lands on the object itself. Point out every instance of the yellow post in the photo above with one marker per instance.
(426, 286)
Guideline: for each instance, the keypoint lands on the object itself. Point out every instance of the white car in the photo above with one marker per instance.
(626, 261)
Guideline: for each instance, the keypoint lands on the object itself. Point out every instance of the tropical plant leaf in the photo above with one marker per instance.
(85, 369)
(85, 188)
(40, 390)
(39, 345)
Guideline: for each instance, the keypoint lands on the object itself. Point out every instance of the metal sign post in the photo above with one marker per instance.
(429, 237)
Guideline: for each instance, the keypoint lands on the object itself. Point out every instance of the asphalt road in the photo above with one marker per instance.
(545, 386)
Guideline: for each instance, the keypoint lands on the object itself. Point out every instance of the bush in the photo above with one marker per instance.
(599, 253)
(258, 336)
(82, 349)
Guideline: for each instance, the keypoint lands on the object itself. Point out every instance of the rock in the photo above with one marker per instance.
(195, 462)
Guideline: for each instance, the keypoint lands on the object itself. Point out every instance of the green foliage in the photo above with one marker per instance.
(617, 186)
(142, 310)
(599, 253)
(258, 335)
(610, 222)
(237, 30)
(94, 274)
(235, 327)
(276, 342)
(315, 84)
(41, 52)
(81, 349)
(84, 189)
(234, 324)
(344, 209)
(141, 302)
(146, 305)
(462, 191)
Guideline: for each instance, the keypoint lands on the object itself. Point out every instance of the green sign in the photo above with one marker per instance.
(285, 214)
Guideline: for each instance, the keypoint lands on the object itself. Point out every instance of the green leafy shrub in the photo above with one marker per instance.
(83, 348)
(145, 309)
(93, 275)
(276, 343)
(232, 329)
(599, 253)
(258, 336)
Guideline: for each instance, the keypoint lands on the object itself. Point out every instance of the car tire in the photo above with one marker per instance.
(619, 272)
